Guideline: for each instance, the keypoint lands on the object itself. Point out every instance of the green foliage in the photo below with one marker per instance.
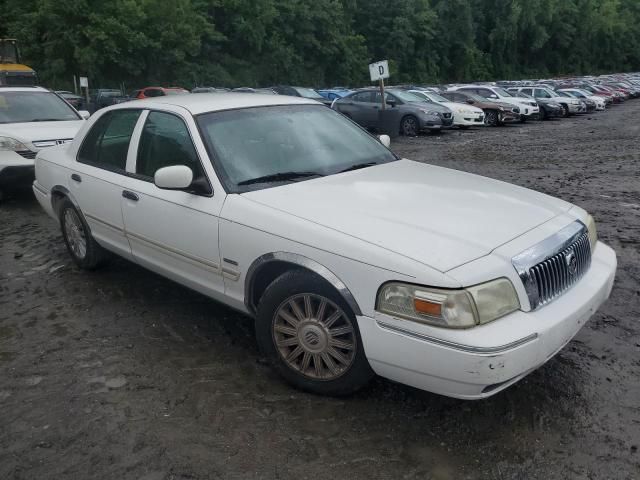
(319, 42)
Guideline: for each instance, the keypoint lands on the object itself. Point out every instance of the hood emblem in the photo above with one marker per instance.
(572, 262)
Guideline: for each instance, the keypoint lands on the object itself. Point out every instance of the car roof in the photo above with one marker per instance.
(11, 88)
(214, 102)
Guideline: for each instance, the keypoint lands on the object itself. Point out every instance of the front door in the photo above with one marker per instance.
(174, 232)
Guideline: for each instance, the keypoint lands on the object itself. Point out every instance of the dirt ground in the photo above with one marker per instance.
(121, 374)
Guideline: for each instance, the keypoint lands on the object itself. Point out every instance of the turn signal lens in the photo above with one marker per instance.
(427, 308)
(593, 232)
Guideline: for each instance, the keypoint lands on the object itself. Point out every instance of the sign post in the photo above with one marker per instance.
(84, 83)
(379, 71)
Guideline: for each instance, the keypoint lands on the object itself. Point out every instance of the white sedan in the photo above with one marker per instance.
(464, 115)
(352, 261)
(31, 118)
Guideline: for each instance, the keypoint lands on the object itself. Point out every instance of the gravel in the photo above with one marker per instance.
(120, 373)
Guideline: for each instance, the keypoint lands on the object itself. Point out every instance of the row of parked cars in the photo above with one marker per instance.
(32, 118)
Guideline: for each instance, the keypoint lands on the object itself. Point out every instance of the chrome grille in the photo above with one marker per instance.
(27, 154)
(553, 266)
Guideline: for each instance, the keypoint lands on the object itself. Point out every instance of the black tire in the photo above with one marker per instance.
(565, 110)
(464, 127)
(491, 118)
(293, 285)
(523, 119)
(409, 126)
(94, 255)
(542, 115)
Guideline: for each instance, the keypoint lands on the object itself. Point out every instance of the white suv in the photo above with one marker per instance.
(569, 104)
(31, 118)
(528, 108)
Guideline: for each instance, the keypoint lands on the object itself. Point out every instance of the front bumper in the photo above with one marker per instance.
(431, 122)
(468, 119)
(479, 362)
(15, 170)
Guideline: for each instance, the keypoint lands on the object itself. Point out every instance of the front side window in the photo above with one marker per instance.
(165, 141)
(107, 143)
(261, 147)
(25, 107)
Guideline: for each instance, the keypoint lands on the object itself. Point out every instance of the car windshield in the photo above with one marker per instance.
(563, 94)
(175, 91)
(435, 97)
(406, 96)
(24, 107)
(570, 94)
(502, 92)
(474, 96)
(276, 143)
(308, 92)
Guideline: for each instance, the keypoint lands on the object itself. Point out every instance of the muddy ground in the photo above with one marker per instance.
(121, 374)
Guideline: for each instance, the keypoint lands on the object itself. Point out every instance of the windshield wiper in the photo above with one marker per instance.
(282, 176)
(358, 166)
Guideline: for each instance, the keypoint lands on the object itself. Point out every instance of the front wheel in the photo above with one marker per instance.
(491, 118)
(565, 111)
(542, 114)
(84, 250)
(309, 333)
(409, 126)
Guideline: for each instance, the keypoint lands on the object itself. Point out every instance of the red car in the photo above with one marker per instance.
(150, 92)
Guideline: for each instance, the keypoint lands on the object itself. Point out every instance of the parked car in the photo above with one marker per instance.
(495, 113)
(151, 92)
(528, 108)
(548, 107)
(569, 104)
(302, 92)
(31, 118)
(76, 101)
(265, 91)
(332, 94)
(599, 102)
(464, 115)
(416, 115)
(104, 97)
(209, 90)
(352, 262)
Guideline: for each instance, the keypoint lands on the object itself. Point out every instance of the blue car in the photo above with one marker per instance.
(332, 94)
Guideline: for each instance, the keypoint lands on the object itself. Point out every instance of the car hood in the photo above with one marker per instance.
(36, 131)
(440, 217)
(454, 106)
(432, 106)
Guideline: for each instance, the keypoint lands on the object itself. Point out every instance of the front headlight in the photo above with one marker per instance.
(593, 232)
(430, 112)
(11, 144)
(462, 308)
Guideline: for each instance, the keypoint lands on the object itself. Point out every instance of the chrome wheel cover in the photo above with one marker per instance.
(74, 232)
(409, 127)
(314, 337)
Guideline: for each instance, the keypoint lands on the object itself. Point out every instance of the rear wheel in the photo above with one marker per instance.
(84, 250)
(491, 118)
(309, 333)
(542, 114)
(409, 126)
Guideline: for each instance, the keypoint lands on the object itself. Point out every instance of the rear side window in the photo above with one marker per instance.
(107, 143)
(367, 97)
(165, 141)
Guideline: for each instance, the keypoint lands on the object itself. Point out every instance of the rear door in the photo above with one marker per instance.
(99, 176)
(174, 232)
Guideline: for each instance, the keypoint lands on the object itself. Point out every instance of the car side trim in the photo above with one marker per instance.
(105, 223)
(304, 262)
(167, 250)
(458, 346)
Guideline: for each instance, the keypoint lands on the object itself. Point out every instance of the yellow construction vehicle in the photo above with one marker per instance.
(12, 72)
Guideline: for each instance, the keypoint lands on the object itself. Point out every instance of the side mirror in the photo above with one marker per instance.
(84, 114)
(391, 103)
(385, 140)
(175, 177)
(470, 101)
(493, 96)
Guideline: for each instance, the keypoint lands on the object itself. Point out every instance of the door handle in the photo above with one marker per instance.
(130, 195)
(76, 178)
